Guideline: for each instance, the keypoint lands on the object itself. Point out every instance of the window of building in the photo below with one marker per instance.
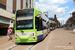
(26, 1)
(13, 11)
(74, 16)
(2, 6)
(4, 20)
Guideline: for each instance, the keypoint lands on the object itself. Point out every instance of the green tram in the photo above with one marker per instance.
(52, 25)
(31, 25)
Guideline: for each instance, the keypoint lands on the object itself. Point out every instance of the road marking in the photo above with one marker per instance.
(6, 44)
(49, 42)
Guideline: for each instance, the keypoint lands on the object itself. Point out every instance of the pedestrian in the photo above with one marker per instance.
(67, 27)
(9, 31)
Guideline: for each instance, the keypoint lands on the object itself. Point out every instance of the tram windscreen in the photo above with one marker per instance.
(24, 19)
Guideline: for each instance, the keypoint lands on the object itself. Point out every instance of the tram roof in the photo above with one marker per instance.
(51, 21)
(37, 11)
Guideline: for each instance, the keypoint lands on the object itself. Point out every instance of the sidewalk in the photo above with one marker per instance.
(62, 40)
(4, 40)
(70, 28)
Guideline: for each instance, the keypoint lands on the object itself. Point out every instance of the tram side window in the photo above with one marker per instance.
(45, 24)
(50, 24)
(38, 24)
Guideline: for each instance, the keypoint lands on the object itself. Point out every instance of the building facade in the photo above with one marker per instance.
(73, 17)
(7, 12)
(12, 5)
(71, 21)
(56, 21)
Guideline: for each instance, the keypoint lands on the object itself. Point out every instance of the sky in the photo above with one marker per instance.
(62, 8)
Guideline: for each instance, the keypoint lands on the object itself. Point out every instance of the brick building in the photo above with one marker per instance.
(71, 21)
(56, 21)
(73, 17)
(7, 12)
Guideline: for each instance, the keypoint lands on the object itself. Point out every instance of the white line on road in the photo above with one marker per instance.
(6, 44)
(49, 42)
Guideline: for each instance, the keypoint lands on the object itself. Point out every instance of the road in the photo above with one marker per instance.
(58, 39)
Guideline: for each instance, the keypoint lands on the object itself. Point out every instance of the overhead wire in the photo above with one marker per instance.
(43, 9)
(41, 5)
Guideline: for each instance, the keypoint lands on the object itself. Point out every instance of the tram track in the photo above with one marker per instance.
(6, 44)
(22, 46)
(12, 47)
(31, 47)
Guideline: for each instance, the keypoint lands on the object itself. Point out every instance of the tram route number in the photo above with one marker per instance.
(23, 33)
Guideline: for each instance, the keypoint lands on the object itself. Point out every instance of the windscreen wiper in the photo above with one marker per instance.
(22, 31)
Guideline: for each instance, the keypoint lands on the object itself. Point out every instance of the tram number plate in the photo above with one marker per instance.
(23, 33)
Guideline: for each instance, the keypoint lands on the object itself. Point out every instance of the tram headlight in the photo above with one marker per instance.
(16, 35)
(31, 34)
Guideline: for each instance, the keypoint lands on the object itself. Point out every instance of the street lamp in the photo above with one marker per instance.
(70, 14)
(46, 13)
(63, 21)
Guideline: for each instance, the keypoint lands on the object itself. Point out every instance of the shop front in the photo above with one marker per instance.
(4, 24)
